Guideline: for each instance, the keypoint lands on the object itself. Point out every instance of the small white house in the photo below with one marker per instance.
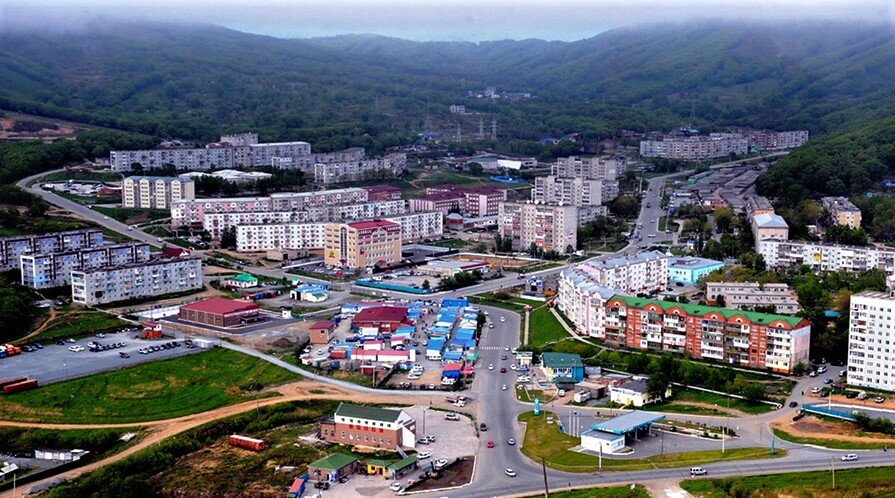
(605, 442)
(241, 281)
(632, 393)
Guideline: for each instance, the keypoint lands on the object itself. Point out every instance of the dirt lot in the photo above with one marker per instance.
(456, 475)
(813, 427)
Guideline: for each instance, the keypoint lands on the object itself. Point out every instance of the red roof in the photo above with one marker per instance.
(363, 225)
(220, 306)
(382, 314)
(175, 252)
(322, 324)
(450, 367)
(392, 352)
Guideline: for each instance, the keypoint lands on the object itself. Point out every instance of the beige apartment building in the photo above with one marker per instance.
(748, 295)
(155, 192)
(767, 227)
(841, 211)
(362, 244)
(549, 227)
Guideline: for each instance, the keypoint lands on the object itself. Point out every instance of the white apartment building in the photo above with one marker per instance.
(768, 226)
(577, 191)
(841, 211)
(12, 248)
(642, 273)
(748, 295)
(43, 271)
(589, 168)
(182, 159)
(586, 214)
(871, 341)
(549, 227)
(155, 192)
(263, 154)
(695, 148)
(388, 166)
(770, 140)
(419, 226)
(583, 301)
(156, 277)
(827, 257)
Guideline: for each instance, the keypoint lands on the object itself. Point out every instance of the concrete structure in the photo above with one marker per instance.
(756, 205)
(748, 295)
(775, 140)
(443, 202)
(583, 301)
(871, 359)
(744, 338)
(219, 312)
(841, 211)
(642, 273)
(322, 332)
(155, 192)
(827, 257)
(768, 226)
(11, 248)
(443, 269)
(550, 228)
(362, 244)
(609, 436)
(419, 226)
(688, 270)
(370, 427)
(43, 271)
(332, 467)
(602, 442)
(389, 166)
(153, 278)
(574, 191)
(381, 318)
(562, 368)
(383, 193)
(695, 148)
(590, 168)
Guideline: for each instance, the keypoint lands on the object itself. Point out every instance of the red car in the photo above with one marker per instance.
(503, 370)
(490, 444)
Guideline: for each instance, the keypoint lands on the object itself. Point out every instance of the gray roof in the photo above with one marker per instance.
(770, 221)
(586, 282)
(635, 385)
(627, 422)
(367, 412)
(692, 262)
(627, 260)
(605, 436)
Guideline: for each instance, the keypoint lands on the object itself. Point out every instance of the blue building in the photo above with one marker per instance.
(688, 270)
(563, 368)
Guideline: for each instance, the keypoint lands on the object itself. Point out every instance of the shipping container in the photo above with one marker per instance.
(248, 443)
(14, 380)
(20, 386)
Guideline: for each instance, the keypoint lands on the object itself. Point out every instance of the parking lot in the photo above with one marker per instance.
(55, 363)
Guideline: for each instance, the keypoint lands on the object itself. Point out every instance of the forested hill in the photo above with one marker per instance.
(844, 163)
(194, 81)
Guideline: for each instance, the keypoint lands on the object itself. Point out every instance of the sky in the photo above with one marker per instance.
(443, 20)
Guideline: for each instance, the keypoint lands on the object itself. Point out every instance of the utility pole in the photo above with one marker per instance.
(833, 473)
(544, 470)
(726, 424)
(481, 128)
(493, 128)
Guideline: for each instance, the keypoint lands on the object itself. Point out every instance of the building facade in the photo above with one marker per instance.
(389, 166)
(220, 312)
(548, 227)
(688, 270)
(156, 277)
(826, 257)
(736, 337)
(155, 192)
(478, 201)
(871, 358)
(583, 301)
(589, 168)
(694, 148)
(264, 237)
(362, 244)
(370, 427)
(768, 226)
(575, 191)
(748, 295)
(43, 271)
(12, 248)
(841, 211)
(643, 273)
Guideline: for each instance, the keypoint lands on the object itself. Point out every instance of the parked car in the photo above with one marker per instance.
(825, 394)
(510, 472)
(828, 381)
(483, 427)
(490, 444)
(424, 454)
(879, 399)
(395, 486)
(851, 395)
(503, 370)
(343, 479)
(511, 442)
(815, 390)
(851, 457)
(431, 438)
(793, 404)
(697, 471)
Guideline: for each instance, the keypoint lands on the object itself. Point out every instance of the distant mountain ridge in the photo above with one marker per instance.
(195, 81)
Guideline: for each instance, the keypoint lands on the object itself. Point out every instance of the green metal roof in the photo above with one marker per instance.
(367, 412)
(700, 310)
(244, 277)
(380, 463)
(404, 463)
(553, 360)
(333, 462)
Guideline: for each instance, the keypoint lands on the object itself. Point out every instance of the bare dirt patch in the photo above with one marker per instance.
(815, 428)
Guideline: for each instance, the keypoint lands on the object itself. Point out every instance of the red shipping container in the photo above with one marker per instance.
(248, 443)
(15, 380)
(20, 386)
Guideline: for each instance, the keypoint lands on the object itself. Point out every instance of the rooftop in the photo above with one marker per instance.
(636, 386)
(333, 462)
(244, 277)
(627, 422)
(404, 463)
(322, 324)
(381, 314)
(699, 310)
(768, 220)
(692, 262)
(550, 359)
(381, 188)
(627, 260)
(220, 306)
(364, 225)
(367, 412)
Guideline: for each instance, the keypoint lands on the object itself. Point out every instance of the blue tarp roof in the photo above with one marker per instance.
(453, 355)
(404, 329)
(454, 302)
(627, 422)
(436, 344)
(463, 343)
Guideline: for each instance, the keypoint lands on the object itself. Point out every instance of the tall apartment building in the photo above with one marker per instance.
(695, 148)
(152, 278)
(389, 166)
(748, 295)
(42, 271)
(583, 300)
(419, 226)
(737, 337)
(478, 201)
(576, 191)
(155, 192)
(770, 140)
(362, 244)
(820, 256)
(589, 168)
(586, 214)
(841, 211)
(12, 248)
(263, 154)
(871, 354)
(642, 273)
(548, 227)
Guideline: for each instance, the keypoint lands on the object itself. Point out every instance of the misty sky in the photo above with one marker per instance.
(435, 20)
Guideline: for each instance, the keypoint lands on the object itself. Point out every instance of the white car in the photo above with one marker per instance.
(441, 462)
(396, 486)
(506, 348)
(503, 387)
(511, 442)
(815, 390)
(513, 367)
(510, 472)
(503, 319)
(513, 350)
(491, 367)
(424, 455)
(851, 457)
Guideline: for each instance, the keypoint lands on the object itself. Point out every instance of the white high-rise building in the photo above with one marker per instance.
(548, 227)
(642, 273)
(826, 257)
(155, 192)
(152, 278)
(574, 191)
(871, 341)
(583, 300)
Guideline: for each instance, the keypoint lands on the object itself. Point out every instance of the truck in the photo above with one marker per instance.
(20, 386)
(248, 443)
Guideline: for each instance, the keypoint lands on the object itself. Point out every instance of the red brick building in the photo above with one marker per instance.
(383, 193)
(370, 427)
(743, 338)
(385, 318)
(220, 312)
(483, 200)
(322, 332)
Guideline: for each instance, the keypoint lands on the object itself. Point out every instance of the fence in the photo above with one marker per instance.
(828, 412)
(392, 287)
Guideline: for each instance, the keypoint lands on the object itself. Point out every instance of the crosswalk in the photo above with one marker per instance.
(490, 348)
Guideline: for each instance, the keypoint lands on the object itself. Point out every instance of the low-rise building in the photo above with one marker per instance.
(383, 193)
(483, 200)
(443, 269)
(688, 270)
(241, 281)
(12, 248)
(748, 295)
(382, 318)
(43, 271)
(443, 202)
(768, 226)
(370, 427)
(562, 368)
(632, 393)
(332, 467)
(322, 332)
(155, 192)
(362, 244)
(820, 256)
(642, 273)
(871, 359)
(220, 312)
(841, 211)
(153, 278)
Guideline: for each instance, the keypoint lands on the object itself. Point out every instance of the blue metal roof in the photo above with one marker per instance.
(627, 422)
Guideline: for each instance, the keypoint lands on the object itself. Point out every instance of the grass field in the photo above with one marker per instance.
(543, 440)
(151, 391)
(868, 482)
(530, 395)
(488, 299)
(681, 398)
(830, 443)
(78, 323)
(543, 327)
(131, 215)
(450, 243)
(627, 491)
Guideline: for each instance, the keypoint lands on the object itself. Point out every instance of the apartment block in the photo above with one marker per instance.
(478, 201)
(419, 226)
(42, 271)
(827, 257)
(152, 278)
(12, 248)
(577, 191)
(586, 214)
(262, 154)
(748, 295)
(871, 354)
(695, 148)
(768, 226)
(642, 273)
(383, 193)
(583, 300)
(443, 202)
(362, 244)
(182, 159)
(775, 140)
(735, 337)
(589, 168)
(548, 227)
(841, 211)
(268, 236)
(757, 204)
(389, 166)
(155, 192)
